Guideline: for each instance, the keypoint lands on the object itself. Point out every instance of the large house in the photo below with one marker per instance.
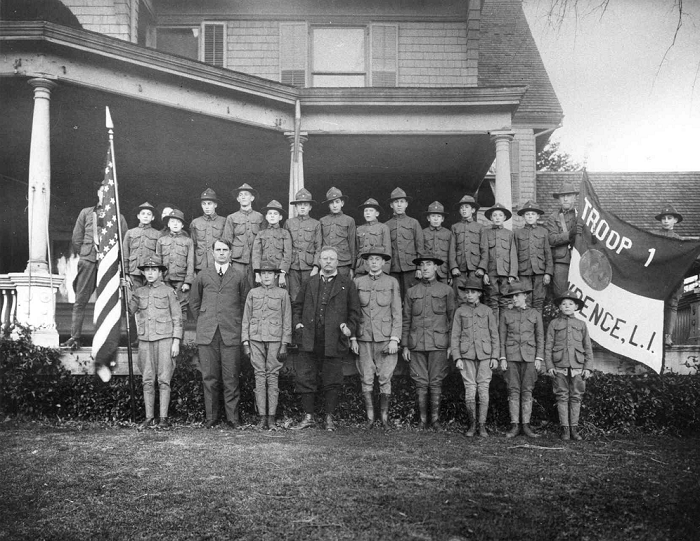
(359, 94)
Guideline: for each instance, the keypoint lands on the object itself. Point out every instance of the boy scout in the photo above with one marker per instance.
(561, 226)
(267, 330)
(535, 265)
(140, 243)
(475, 347)
(465, 248)
(338, 231)
(176, 251)
(522, 352)
(499, 266)
(406, 241)
(567, 355)
(159, 324)
(372, 235)
(240, 230)
(437, 239)
(306, 242)
(206, 229)
(379, 332)
(669, 217)
(427, 318)
(272, 246)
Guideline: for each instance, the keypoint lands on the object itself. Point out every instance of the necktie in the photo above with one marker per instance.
(221, 271)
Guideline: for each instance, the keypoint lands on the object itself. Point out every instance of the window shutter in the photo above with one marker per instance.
(293, 54)
(384, 54)
(214, 39)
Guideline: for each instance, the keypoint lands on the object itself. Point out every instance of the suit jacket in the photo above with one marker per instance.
(343, 307)
(217, 302)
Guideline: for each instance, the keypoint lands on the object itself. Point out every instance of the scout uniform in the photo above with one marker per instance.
(240, 230)
(561, 226)
(670, 304)
(534, 256)
(427, 319)
(406, 244)
(465, 253)
(380, 322)
(568, 353)
(267, 330)
(372, 236)
(437, 240)
(159, 322)
(522, 346)
(475, 342)
(500, 261)
(138, 245)
(272, 247)
(176, 251)
(205, 230)
(338, 230)
(306, 245)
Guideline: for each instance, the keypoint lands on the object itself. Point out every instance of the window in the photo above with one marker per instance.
(338, 57)
(293, 54)
(206, 42)
(384, 54)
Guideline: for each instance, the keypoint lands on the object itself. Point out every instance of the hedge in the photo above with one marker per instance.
(34, 384)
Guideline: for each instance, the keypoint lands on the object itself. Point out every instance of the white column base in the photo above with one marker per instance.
(36, 307)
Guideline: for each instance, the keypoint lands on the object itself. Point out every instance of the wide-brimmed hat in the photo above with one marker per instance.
(266, 266)
(175, 213)
(435, 208)
(371, 203)
(515, 288)
(569, 295)
(274, 205)
(246, 188)
(500, 207)
(467, 200)
(153, 261)
(209, 195)
(333, 194)
(374, 250)
(427, 256)
(566, 188)
(471, 282)
(669, 210)
(530, 206)
(398, 193)
(303, 196)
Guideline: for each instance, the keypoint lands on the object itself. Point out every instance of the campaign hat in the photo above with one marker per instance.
(530, 206)
(333, 194)
(571, 296)
(564, 189)
(246, 188)
(515, 288)
(274, 205)
(266, 266)
(669, 209)
(468, 200)
(153, 261)
(175, 213)
(146, 206)
(500, 207)
(209, 195)
(303, 196)
(427, 256)
(371, 203)
(471, 282)
(398, 193)
(435, 208)
(374, 250)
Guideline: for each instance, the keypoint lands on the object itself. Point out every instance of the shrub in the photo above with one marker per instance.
(33, 383)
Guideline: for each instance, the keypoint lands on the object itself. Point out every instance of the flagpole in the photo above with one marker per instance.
(122, 267)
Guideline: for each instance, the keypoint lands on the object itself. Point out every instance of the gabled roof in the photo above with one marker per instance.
(635, 197)
(508, 55)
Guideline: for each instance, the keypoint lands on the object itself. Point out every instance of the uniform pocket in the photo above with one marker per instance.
(364, 295)
(439, 304)
(164, 325)
(383, 297)
(161, 302)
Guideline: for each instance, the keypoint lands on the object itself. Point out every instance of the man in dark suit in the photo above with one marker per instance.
(326, 314)
(217, 299)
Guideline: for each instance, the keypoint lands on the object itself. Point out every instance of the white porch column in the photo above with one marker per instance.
(296, 169)
(36, 287)
(504, 188)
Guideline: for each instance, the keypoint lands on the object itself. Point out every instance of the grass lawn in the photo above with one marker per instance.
(96, 482)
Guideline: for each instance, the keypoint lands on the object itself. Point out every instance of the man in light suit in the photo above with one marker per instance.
(217, 299)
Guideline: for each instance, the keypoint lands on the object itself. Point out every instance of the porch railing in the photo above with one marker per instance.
(8, 303)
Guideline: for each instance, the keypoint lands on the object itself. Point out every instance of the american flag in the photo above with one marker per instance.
(108, 308)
